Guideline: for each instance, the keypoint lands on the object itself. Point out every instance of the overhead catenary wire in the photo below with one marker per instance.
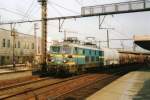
(34, 12)
(116, 31)
(121, 28)
(100, 23)
(78, 2)
(56, 9)
(11, 11)
(73, 17)
(29, 8)
(67, 9)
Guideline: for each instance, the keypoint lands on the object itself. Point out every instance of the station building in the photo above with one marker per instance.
(25, 47)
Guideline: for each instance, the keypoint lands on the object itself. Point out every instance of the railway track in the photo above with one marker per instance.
(5, 83)
(42, 90)
(22, 83)
(81, 93)
(53, 88)
(20, 88)
(39, 89)
(15, 71)
(24, 87)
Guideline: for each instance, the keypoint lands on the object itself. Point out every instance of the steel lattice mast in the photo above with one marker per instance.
(44, 31)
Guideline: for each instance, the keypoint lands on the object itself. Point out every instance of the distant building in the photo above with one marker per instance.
(26, 48)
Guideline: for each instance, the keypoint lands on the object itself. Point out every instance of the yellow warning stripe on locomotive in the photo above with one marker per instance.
(66, 55)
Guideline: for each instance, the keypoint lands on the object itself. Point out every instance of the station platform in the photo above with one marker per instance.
(13, 70)
(9, 68)
(132, 86)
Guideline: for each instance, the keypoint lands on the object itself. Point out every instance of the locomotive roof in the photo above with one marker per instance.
(77, 45)
(85, 46)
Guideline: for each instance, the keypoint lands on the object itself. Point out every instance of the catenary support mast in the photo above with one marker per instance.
(44, 31)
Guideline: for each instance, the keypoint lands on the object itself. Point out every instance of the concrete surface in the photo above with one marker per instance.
(132, 86)
(7, 70)
(9, 75)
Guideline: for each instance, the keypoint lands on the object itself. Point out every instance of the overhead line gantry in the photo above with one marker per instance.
(99, 10)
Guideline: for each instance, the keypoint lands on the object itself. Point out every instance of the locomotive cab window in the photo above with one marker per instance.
(55, 49)
(67, 50)
(80, 51)
(89, 52)
(75, 50)
(83, 52)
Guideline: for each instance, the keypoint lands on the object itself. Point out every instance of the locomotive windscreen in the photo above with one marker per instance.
(55, 49)
(66, 50)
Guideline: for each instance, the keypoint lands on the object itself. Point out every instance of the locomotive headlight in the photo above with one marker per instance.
(64, 61)
(52, 60)
(69, 56)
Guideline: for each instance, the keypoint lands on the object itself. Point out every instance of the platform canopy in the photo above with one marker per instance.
(143, 41)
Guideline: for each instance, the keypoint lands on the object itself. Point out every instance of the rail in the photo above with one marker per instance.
(25, 90)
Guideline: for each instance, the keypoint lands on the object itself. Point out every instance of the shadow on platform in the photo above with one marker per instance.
(144, 93)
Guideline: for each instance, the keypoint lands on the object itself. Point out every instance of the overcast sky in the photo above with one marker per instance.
(126, 25)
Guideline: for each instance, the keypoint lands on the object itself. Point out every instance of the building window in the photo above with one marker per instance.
(92, 59)
(38, 49)
(7, 57)
(4, 43)
(18, 44)
(8, 43)
(32, 45)
(25, 45)
(15, 45)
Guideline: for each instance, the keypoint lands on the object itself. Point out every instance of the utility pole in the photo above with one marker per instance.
(108, 42)
(35, 37)
(14, 36)
(122, 45)
(65, 37)
(107, 38)
(99, 44)
(44, 32)
(0, 19)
